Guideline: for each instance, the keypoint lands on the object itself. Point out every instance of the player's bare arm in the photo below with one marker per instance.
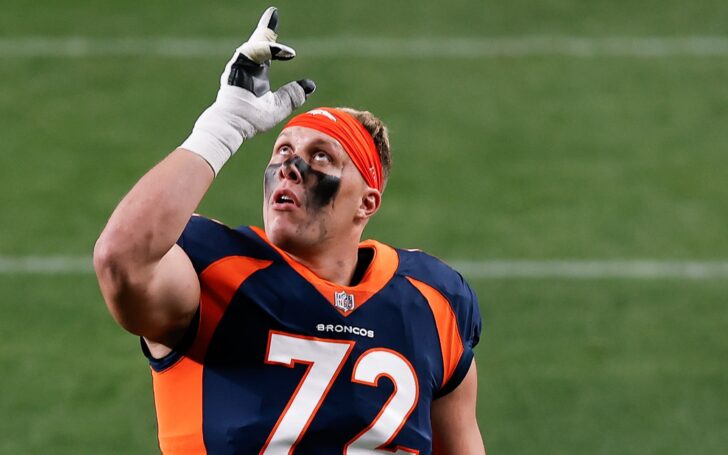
(148, 283)
(454, 424)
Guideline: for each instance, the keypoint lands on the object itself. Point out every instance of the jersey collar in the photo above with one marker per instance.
(347, 299)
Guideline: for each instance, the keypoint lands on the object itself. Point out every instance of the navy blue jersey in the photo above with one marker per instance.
(280, 361)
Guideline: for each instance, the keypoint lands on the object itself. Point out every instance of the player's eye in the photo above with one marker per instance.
(285, 150)
(321, 157)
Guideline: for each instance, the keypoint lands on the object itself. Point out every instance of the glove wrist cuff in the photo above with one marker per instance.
(209, 148)
(215, 137)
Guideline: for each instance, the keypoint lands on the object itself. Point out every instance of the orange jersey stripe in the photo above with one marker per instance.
(447, 328)
(178, 399)
(178, 389)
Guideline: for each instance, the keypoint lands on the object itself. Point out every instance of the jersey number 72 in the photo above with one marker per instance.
(325, 358)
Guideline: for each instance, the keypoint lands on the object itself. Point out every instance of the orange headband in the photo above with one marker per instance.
(351, 134)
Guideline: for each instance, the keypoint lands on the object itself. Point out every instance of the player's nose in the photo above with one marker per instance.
(289, 171)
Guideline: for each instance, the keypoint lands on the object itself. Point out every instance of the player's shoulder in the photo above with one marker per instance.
(455, 309)
(206, 240)
(433, 272)
(421, 265)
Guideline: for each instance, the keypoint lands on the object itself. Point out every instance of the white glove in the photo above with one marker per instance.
(245, 105)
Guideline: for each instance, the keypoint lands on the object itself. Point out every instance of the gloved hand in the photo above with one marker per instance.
(245, 105)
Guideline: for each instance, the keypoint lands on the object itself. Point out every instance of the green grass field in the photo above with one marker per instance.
(534, 156)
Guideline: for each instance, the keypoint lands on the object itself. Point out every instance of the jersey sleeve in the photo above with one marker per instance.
(205, 241)
(455, 312)
(466, 310)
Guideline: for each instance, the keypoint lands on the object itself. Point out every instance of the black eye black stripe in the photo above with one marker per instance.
(321, 188)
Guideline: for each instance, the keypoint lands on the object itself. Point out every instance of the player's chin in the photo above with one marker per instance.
(280, 228)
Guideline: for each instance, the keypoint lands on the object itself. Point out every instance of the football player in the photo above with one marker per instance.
(298, 337)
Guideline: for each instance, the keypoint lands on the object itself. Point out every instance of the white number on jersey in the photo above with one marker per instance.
(325, 359)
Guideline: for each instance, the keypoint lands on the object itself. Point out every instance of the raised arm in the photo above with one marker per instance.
(147, 281)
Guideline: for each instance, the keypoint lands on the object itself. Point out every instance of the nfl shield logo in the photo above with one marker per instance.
(344, 301)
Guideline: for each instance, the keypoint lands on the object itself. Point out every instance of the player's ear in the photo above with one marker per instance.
(370, 202)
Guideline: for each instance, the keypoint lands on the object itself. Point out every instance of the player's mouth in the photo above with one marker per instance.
(284, 199)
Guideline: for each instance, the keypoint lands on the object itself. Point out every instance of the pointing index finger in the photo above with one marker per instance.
(267, 26)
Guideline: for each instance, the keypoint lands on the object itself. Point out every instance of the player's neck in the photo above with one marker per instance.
(336, 263)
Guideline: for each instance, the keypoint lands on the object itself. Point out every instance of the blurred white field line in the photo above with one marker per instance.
(20, 265)
(377, 47)
(586, 269)
(490, 268)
